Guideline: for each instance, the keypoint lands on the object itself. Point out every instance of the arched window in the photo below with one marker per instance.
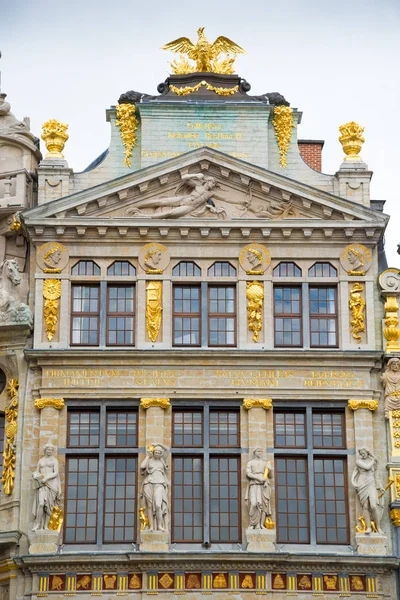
(222, 269)
(120, 268)
(86, 267)
(322, 269)
(186, 269)
(287, 269)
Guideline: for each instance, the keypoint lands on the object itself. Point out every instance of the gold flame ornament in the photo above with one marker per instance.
(255, 296)
(352, 140)
(127, 123)
(153, 309)
(51, 294)
(357, 308)
(204, 54)
(283, 124)
(54, 135)
(9, 454)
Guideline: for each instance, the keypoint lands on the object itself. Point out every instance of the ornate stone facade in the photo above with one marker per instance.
(205, 360)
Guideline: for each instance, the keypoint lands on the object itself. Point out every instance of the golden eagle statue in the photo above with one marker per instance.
(204, 53)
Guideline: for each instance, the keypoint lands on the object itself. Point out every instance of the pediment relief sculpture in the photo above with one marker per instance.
(12, 310)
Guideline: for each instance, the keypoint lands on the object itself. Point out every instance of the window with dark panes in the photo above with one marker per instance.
(287, 316)
(120, 315)
(322, 269)
(85, 315)
(221, 269)
(186, 315)
(323, 316)
(87, 268)
(101, 477)
(206, 476)
(121, 268)
(311, 487)
(186, 269)
(221, 315)
(287, 269)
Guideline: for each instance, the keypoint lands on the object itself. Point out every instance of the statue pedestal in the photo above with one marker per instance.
(260, 540)
(374, 544)
(43, 541)
(154, 541)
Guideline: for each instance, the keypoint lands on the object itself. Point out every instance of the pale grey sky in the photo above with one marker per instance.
(335, 60)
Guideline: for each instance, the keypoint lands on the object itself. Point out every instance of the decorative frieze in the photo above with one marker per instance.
(265, 403)
(371, 405)
(161, 402)
(57, 403)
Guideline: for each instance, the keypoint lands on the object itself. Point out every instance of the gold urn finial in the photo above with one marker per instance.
(54, 135)
(352, 140)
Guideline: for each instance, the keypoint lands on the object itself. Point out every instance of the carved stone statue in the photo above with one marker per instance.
(391, 384)
(12, 310)
(47, 486)
(258, 492)
(155, 487)
(367, 484)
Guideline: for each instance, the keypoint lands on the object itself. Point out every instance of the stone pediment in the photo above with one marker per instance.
(203, 185)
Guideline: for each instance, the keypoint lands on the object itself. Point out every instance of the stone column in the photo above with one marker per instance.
(154, 541)
(260, 428)
(374, 543)
(46, 541)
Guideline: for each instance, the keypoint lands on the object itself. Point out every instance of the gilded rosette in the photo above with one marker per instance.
(127, 123)
(283, 124)
(54, 135)
(9, 454)
(57, 403)
(51, 294)
(265, 403)
(371, 405)
(160, 402)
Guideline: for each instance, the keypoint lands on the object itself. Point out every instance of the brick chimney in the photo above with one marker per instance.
(311, 152)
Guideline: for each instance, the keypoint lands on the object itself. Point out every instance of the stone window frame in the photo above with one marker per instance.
(102, 451)
(310, 454)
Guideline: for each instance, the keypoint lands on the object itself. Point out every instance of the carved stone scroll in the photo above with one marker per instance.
(265, 403)
(57, 403)
(371, 405)
(160, 402)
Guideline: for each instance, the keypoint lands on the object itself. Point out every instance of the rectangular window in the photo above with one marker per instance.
(323, 317)
(120, 315)
(186, 315)
(221, 315)
(287, 316)
(311, 489)
(101, 488)
(206, 480)
(85, 315)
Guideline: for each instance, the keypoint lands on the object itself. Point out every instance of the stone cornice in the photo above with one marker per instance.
(57, 403)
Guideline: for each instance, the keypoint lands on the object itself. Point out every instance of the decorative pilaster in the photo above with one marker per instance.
(9, 454)
(49, 419)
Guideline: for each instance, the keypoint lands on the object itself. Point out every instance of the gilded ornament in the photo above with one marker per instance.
(134, 582)
(395, 516)
(57, 583)
(54, 135)
(9, 454)
(166, 581)
(144, 521)
(161, 402)
(153, 309)
(52, 257)
(109, 581)
(283, 124)
(265, 403)
(352, 140)
(15, 224)
(51, 294)
(278, 583)
(56, 519)
(247, 582)
(371, 405)
(357, 308)
(356, 259)
(127, 123)
(305, 582)
(255, 296)
(391, 330)
(221, 91)
(154, 258)
(389, 280)
(83, 582)
(220, 581)
(206, 54)
(181, 66)
(255, 259)
(356, 583)
(57, 403)
(193, 582)
(330, 582)
(269, 523)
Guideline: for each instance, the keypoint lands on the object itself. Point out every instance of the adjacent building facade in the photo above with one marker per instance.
(200, 389)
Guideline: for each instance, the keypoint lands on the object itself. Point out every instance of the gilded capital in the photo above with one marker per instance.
(57, 403)
(265, 403)
(161, 402)
(371, 405)
(395, 516)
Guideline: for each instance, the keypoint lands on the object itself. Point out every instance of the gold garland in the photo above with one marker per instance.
(9, 454)
(283, 125)
(51, 294)
(153, 309)
(127, 123)
(184, 91)
(357, 307)
(255, 296)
